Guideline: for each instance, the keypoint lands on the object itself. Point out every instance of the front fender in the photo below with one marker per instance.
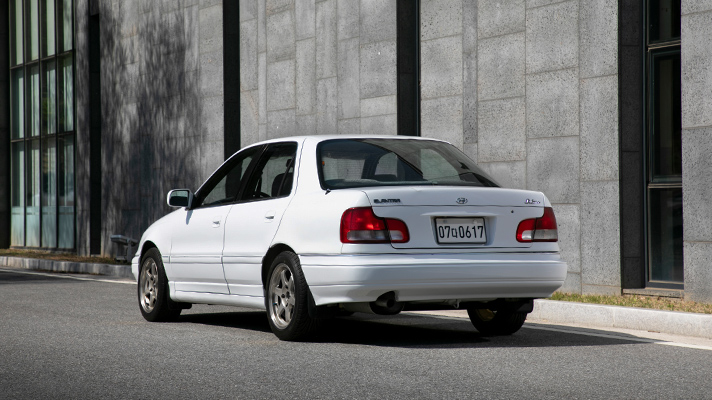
(157, 235)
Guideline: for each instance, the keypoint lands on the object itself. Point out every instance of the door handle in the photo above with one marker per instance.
(269, 215)
(216, 222)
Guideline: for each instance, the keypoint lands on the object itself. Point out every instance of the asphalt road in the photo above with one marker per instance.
(66, 338)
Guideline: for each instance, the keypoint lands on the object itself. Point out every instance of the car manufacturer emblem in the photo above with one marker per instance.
(531, 201)
(461, 200)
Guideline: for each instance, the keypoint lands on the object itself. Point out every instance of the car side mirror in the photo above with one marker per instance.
(180, 198)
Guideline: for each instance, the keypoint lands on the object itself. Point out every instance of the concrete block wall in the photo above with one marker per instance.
(162, 108)
(529, 89)
(696, 148)
(83, 124)
(317, 67)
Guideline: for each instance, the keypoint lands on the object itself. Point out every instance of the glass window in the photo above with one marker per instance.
(223, 186)
(663, 20)
(42, 123)
(64, 25)
(665, 221)
(17, 195)
(32, 191)
(49, 98)
(436, 167)
(48, 30)
(32, 32)
(273, 176)
(665, 112)
(663, 141)
(49, 192)
(17, 106)
(349, 163)
(33, 100)
(66, 94)
(16, 32)
(66, 192)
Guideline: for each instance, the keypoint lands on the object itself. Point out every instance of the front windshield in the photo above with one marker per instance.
(349, 163)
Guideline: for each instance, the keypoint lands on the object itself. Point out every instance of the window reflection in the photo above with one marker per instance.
(17, 195)
(32, 198)
(16, 41)
(66, 94)
(64, 25)
(49, 192)
(48, 19)
(49, 98)
(32, 31)
(17, 108)
(666, 111)
(41, 123)
(33, 100)
(666, 235)
(663, 20)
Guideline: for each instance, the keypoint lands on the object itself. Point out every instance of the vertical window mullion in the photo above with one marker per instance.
(24, 118)
(44, 182)
(56, 130)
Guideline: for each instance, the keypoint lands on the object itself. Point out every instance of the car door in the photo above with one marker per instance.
(197, 244)
(253, 221)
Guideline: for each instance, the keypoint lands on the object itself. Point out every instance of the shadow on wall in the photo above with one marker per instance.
(151, 131)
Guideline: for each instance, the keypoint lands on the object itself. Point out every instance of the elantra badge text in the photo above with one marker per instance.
(384, 201)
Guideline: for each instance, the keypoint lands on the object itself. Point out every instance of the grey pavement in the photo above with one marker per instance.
(82, 336)
(545, 311)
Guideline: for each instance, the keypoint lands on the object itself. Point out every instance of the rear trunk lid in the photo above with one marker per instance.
(458, 217)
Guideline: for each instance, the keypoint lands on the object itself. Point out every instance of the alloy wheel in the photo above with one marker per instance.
(281, 296)
(149, 285)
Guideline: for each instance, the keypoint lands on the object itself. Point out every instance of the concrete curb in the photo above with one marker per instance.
(642, 319)
(119, 271)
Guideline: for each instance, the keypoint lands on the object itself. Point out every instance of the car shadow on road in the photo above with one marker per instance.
(418, 331)
(422, 331)
(251, 320)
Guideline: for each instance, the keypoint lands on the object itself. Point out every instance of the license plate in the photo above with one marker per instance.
(460, 230)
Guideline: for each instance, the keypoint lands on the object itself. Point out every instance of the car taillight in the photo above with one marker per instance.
(361, 225)
(542, 229)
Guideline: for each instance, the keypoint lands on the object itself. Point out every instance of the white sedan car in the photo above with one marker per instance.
(314, 227)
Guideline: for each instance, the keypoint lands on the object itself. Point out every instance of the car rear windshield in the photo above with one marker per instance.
(350, 163)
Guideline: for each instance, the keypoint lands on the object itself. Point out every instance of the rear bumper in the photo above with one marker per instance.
(432, 277)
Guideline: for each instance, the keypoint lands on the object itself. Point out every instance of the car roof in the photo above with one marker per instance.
(321, 138)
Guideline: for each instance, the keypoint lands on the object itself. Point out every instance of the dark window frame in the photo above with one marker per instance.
(408, 66)
(653, 49)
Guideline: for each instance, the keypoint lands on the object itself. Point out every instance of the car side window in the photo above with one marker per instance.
(223, 187)
(273, 175)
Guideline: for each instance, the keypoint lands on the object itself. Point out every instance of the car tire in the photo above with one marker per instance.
(287, 299)
(496, 323)
(153, 300)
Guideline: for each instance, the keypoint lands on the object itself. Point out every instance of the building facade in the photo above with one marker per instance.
(604, 105)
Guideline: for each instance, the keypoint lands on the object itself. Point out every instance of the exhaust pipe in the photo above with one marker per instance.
(386, 304)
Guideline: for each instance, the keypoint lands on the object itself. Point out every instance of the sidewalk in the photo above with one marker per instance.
(545, 311)
(119, 271)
